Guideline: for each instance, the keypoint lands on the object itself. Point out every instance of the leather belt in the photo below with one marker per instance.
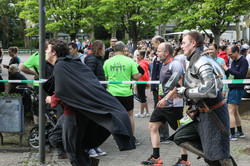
(206, 109)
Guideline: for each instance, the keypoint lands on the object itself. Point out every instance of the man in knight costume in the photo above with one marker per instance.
(207, 136)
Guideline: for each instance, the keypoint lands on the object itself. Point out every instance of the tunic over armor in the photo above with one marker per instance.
(202, 84)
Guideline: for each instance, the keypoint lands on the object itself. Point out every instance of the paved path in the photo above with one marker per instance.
(169, 152)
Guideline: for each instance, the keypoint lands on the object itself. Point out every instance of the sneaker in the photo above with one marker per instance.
(165, 141)
(152, 162)
(233, 137)
(137, 142)
(139, 115)
(148, 114)
(181, 162)
(92, 153)
(100, 152)
(241, 135)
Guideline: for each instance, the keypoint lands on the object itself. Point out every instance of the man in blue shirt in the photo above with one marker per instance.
(238, 70)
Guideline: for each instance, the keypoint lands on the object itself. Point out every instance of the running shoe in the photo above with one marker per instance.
(147, 114)
(100, 152)
(181, 162)
(233, 137)
(92, 153)
(152, 162)
(139, 115)
(241, 135)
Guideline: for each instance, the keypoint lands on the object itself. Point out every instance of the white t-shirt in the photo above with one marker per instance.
(248, 60)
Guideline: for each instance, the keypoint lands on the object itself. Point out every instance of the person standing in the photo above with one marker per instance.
(210, 127)
(14, 60)
(156, 68)
(122, 68)
(112, 42)
(238, 70)
(141, 88)
(95, 62)
(169, 108)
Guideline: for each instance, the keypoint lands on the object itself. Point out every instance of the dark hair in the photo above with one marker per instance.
(13, 49)
(215, 46)
(96, 48)
(119, 46)
(196, 36)
(81, 51)
(223, 47)
(176, 50)
(60, 47)
(142, 53)
(73, 45)
(234, 48)
(168, 47)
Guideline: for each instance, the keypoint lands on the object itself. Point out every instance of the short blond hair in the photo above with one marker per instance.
(13, 68)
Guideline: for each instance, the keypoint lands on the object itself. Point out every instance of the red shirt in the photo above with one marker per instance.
(66, 108)
(145, 65)
(223, 55)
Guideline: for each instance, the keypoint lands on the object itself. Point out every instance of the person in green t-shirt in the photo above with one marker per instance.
(121, 68)
(33, 61)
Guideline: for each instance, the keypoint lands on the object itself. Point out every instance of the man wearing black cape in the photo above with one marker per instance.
(91, 113)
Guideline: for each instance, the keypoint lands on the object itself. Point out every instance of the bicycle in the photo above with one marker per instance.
(33, 138)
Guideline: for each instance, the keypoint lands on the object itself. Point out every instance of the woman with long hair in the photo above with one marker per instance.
(95, 61)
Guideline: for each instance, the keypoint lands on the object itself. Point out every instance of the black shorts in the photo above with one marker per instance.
(171, 115)
(127, 102)
(141, 88)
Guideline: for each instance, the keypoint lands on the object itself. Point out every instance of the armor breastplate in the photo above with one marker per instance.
(203, 78)
(192, 78)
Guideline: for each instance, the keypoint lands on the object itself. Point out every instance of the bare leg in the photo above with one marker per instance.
(232, 109)
(237, 117)
(130, 113)
(154, 132)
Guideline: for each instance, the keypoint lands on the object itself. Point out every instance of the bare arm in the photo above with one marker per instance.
(137, 76)
(28, 71)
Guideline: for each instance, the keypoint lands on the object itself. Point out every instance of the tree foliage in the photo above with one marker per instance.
(136, 17)
(68, 16)
(208, 14)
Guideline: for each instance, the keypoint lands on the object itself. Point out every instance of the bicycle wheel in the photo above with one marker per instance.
(33, 139)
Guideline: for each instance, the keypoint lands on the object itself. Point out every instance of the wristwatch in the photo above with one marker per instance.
(166, 99)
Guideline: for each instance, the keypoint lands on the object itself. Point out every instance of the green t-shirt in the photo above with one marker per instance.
(120, 68)
(33, 61)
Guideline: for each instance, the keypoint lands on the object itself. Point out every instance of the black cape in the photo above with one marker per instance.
(77, 86)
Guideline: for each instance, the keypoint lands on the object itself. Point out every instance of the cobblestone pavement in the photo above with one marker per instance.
(169, 152)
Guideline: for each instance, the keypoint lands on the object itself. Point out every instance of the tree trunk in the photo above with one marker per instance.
(126, 36)
(217, 34)
(244, 30)
(237, 28)
(163, 32)
(5, 32)
(113, 33)
(23, 33)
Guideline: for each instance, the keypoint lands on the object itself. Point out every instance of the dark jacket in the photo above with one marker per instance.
(239, 70)
(155, 72)
(96, 65)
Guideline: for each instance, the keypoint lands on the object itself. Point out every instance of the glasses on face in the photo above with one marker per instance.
(229, 54)
(160, 51)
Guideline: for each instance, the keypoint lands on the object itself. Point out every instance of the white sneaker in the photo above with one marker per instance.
(139, 115)
(92, 153)
(148, 114)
